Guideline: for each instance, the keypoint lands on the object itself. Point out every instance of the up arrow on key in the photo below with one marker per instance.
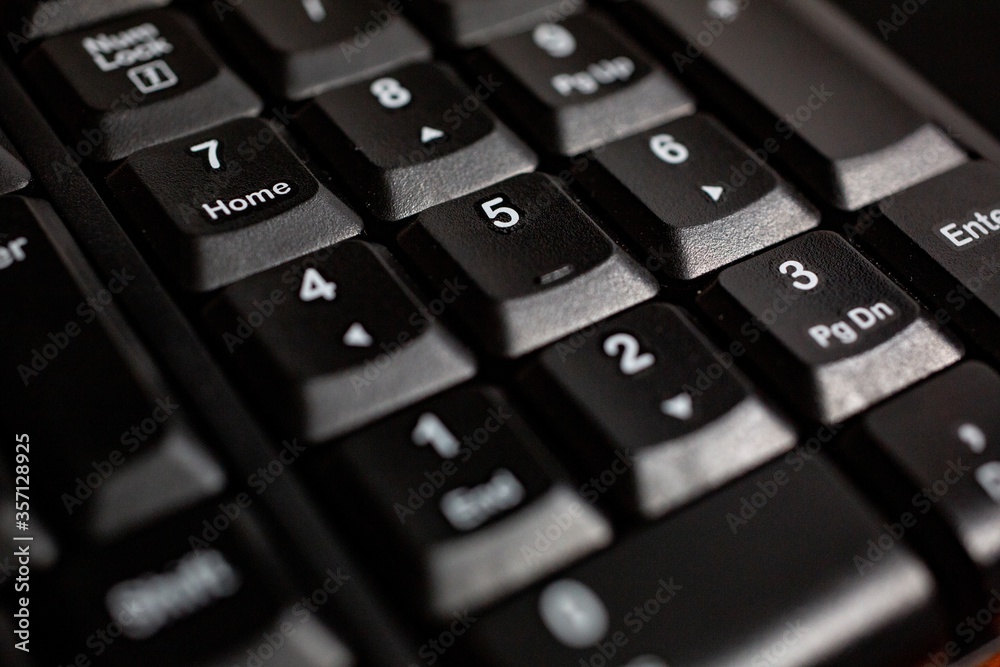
(429, 134)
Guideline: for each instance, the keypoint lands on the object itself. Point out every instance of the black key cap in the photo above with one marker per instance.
(409, 140)
(536, 267)
(304, 47)
(947, 232)
(945, 437)
(229, 202)
(693, 197)
(113, 445)
(579, 84)
(833, 332)
(837, 126)
(30, 19)
(336, 339)
(202, 588)
(135, 82)
(687, 591)
(473, 22)
(459, 498)
(646, 396)
(13, 174)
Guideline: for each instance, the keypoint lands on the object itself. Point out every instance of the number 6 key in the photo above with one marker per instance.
(836, 334)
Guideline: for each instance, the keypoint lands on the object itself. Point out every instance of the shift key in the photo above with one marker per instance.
(947, 231)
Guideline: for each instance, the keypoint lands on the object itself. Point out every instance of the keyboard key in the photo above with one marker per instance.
(458, 498)
(30, 19)
(408, 140)
(228, 202)
(13, 174)
(135, 82)
(300, 49)
(833, 332)
(199, 588)
(473, 22)
(337, 339)
(947, 232)
(645, 396)
(111, 446)
(693, 197)
(535, 266)
(579, 84)
(706, 587)
(845, 132)
(944, 436)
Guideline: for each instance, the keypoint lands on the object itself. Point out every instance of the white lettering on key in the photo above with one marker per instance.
(573, 613)
(129, 47)
(13, 252)
(863, 319)
(959, 235)
(151, 77)
(597, 74)
(467, 509)
(988, 476)
(223, 209)
(145, 605)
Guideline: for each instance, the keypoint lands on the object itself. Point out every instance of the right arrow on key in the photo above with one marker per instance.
(714, 192)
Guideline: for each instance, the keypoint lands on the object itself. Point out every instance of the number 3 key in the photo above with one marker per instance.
(834, 332)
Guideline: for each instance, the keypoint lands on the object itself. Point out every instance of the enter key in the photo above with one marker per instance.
(946, 234)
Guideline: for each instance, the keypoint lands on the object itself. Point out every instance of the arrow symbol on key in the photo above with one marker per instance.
(315, 10)
(679, 407)
(714, 192)
(358, 336)
(429, 134)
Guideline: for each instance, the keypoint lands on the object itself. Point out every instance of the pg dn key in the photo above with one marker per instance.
(834, 332)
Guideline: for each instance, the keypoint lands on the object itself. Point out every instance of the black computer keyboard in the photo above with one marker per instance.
(653, 333)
